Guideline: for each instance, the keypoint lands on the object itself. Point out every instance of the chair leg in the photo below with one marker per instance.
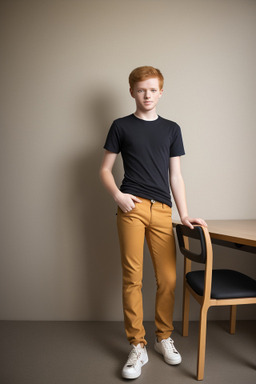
(202, 343)
(186, 302)
(232, 324)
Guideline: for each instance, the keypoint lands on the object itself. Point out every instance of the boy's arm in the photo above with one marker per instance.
(124, 200)
(179, 194)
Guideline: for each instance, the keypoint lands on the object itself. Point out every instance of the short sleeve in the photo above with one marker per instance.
(177, 147)
(113, 141)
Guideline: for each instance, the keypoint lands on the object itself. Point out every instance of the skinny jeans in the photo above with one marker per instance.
(151, 220)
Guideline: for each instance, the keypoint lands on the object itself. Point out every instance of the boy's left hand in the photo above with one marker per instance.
(189, 221)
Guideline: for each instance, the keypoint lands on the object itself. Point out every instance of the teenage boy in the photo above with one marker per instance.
(151, 148)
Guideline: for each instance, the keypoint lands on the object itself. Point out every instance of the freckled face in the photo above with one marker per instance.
(146, 94)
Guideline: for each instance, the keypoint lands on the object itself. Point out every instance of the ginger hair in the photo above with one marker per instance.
(144, 73)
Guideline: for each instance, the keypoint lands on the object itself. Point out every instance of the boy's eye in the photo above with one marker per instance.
(140, 91)
(153, 90)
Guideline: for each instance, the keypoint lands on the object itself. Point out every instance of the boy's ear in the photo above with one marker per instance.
(131, 92)
(161, 92)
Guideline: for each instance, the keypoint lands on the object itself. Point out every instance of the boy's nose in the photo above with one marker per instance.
(147, 95)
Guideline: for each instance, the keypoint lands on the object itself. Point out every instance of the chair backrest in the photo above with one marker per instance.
(196, 233)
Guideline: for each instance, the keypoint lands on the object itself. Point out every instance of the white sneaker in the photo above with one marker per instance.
(167, 349)
(136, 359)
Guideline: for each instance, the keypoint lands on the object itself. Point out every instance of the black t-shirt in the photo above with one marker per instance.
(146, 148)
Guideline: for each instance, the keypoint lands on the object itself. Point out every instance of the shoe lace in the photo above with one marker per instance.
(169, 345)
(133, 357)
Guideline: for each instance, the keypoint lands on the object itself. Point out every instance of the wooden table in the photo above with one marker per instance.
(236, 234)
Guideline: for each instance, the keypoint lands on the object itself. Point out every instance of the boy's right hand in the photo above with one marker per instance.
(125, 201)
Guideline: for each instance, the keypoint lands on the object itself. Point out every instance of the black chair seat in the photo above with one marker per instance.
(226, 284)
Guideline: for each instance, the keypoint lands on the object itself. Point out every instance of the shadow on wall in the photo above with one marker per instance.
(92, 263)
(90, 256)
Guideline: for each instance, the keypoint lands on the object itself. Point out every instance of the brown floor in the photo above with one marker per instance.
(94, 352)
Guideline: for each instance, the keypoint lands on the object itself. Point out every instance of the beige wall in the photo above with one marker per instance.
(64, 79)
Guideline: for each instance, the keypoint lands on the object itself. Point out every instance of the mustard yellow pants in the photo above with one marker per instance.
(153, 221)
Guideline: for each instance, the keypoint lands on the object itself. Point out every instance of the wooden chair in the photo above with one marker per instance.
(210, 287)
